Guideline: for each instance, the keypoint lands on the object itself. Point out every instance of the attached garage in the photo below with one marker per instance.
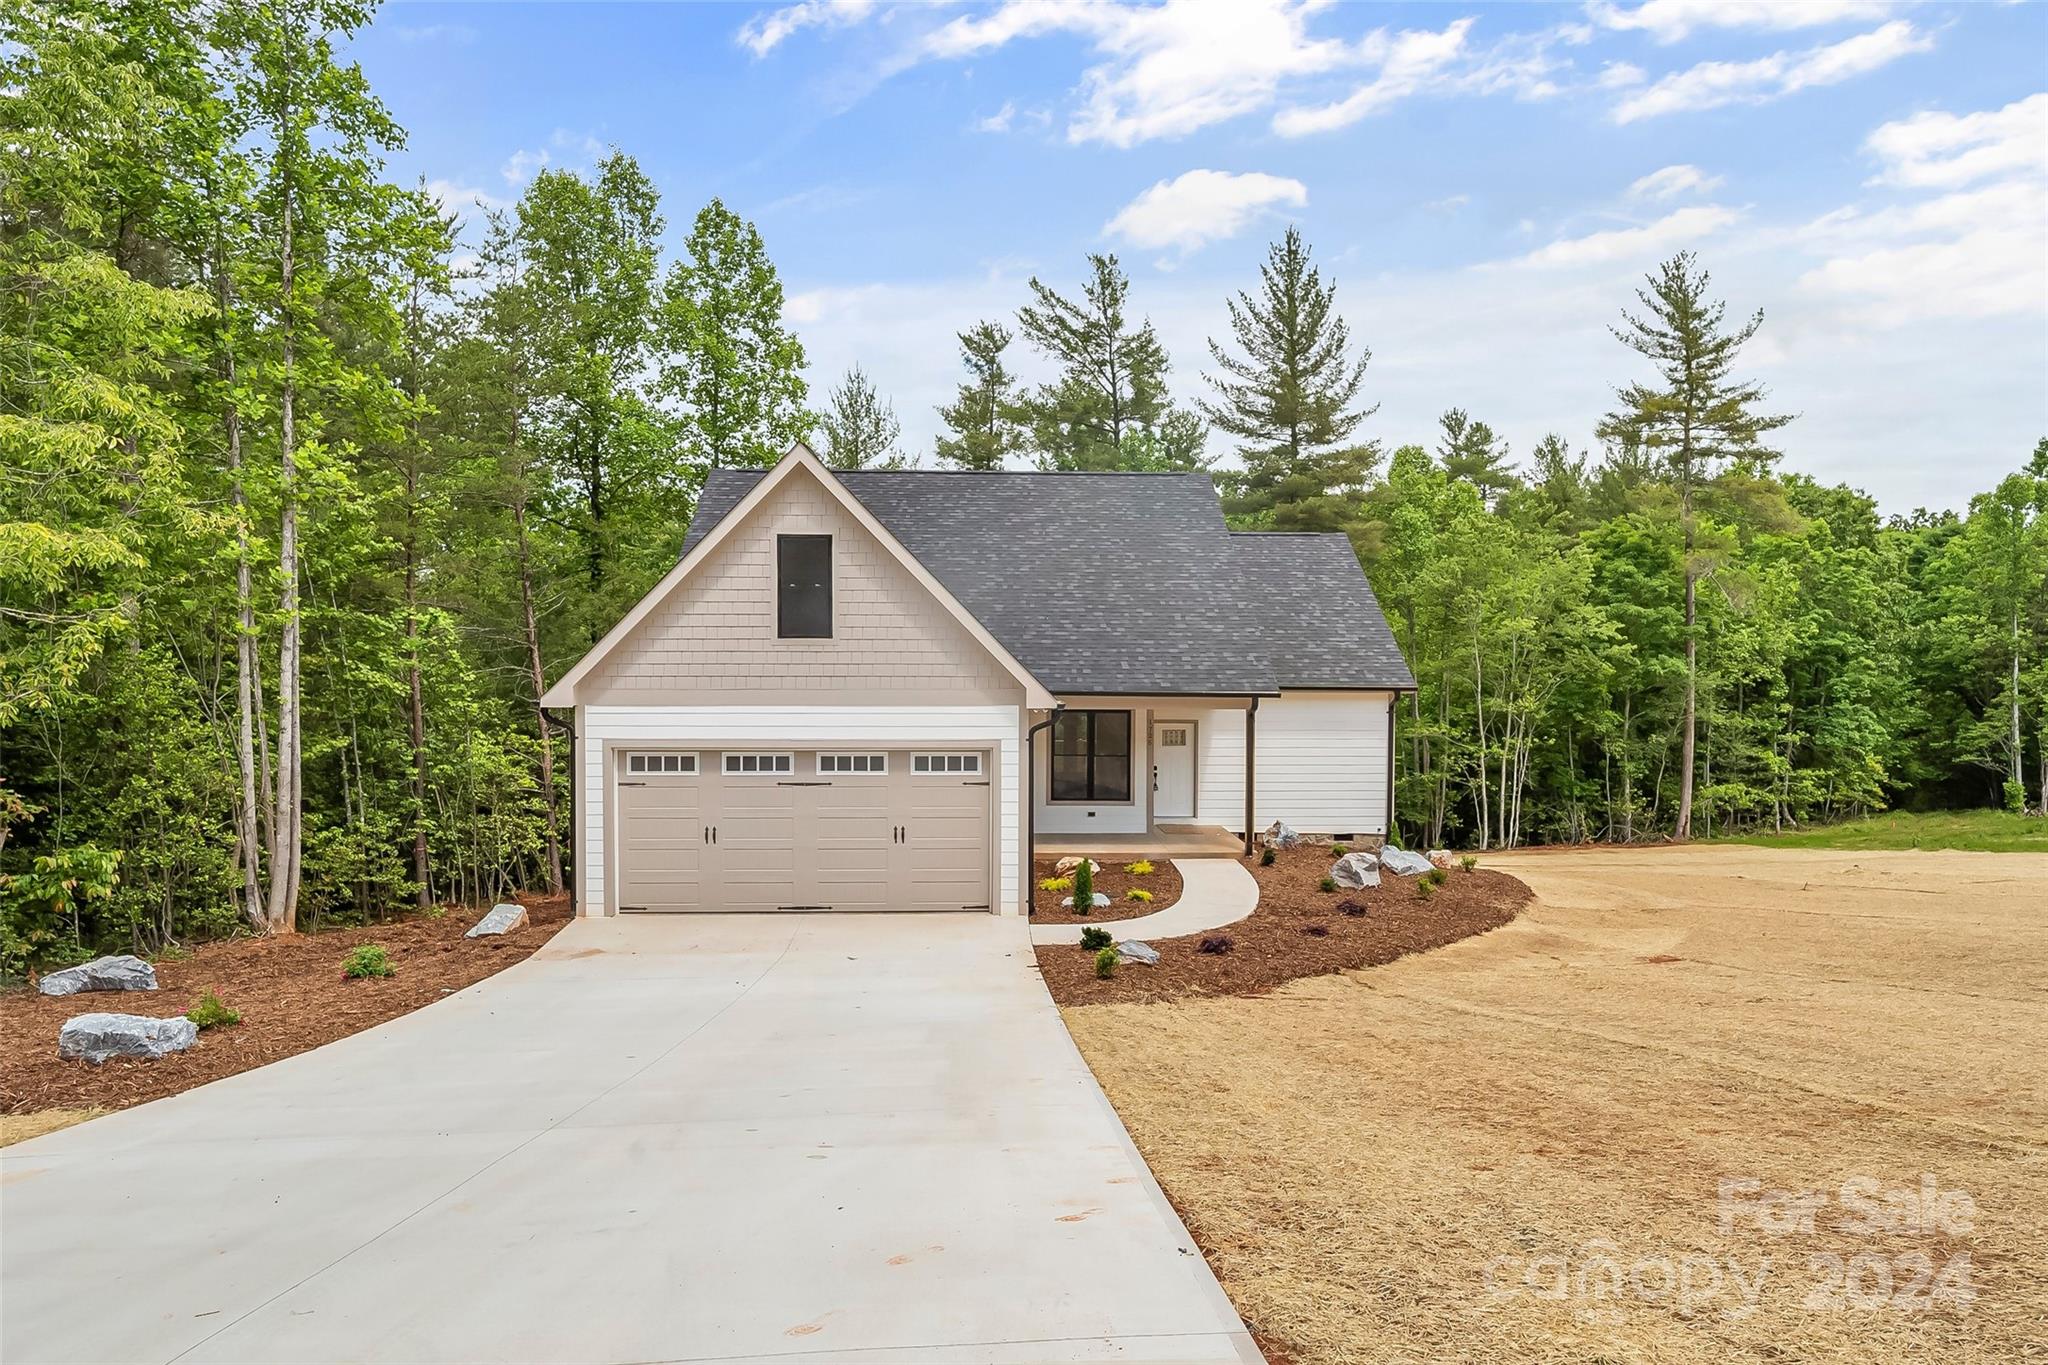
(802, 829)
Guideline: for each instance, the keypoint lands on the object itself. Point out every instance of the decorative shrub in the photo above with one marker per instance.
(1266, 858)
(1316, 930)
(1355, 909)
(1216, 945)
(1105, 963)
(1424, 888)
(211, 1013)
(1327, 884)
(1095, 940)
(1137, 893)
(1339, 850)
(1141, 868)
(1436, 876)
(1468, 862)
(1057, 884)
(1084, 887)
(366, 959)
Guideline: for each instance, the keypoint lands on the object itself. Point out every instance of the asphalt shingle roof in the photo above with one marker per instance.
(1124, 583)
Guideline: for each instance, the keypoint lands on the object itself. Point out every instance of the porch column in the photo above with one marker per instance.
(1251, 753)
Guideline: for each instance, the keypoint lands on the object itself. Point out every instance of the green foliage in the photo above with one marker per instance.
(1978, 831)
(1327, 884)
(1084, 886)
(44, 908)
(1094, 939)
(988, 417)
(1436, 876)
(858, 428)
(1105, 963)
(211, 1013)
(366, 960)
(1138, 893)
(1056, 884)
(1267, 857)
(1469, 862)
(1424, 888)
(1141, 868)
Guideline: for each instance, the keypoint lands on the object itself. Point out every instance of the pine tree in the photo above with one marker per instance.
(1696, 420)
(1470, 451)
(729, 363)
(987, 418)
(1289, 399)
(858, 426)
(1112, 381)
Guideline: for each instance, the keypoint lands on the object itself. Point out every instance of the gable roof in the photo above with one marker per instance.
(1122, 584)
(1321, 624)
(698, 549)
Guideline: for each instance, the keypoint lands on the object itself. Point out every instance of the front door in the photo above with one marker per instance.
(1173, 770)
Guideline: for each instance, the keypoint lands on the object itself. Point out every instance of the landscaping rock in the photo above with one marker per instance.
(123, 973)
(503, 919)
(96, 1037)
(1281, 835)
(1067, 865)
(1403, 861)
(1443, 858)
(1099, 901)
(1356, 870)
(1142, 953)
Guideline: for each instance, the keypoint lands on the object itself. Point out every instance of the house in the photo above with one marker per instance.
(868, 689)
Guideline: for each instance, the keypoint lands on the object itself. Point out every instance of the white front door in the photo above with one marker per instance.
(1173, 770)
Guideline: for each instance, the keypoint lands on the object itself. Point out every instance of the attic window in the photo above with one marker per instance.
(803, 597)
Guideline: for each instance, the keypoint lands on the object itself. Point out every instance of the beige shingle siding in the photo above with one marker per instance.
(715, 636)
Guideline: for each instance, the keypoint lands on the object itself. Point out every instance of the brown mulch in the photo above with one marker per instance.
(289, 989)
(1112, 881)
(1280, 942)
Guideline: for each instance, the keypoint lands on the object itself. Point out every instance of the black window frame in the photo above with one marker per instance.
(1092, 789)
(797, 603)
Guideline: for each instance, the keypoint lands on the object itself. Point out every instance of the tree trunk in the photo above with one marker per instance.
(547, 741)
(2018, 772)
(286, 842)
(248, 824)
(1682, 826)
(417, 710)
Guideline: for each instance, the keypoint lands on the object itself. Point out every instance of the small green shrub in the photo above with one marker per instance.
(1424, 888)
(211, 1013)
(1327, 884)
(1095, 940)
(1216, 945)
(1141, 868)
(1266, 858)
(1105, 963)
(1339, 850)
(1057, 884)
(365, 960)
(1084, 886)
(1436, 876)
(1468, 862)
(1138, 893)
(2015, 796)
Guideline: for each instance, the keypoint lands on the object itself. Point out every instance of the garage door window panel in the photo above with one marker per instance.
(946, 765)
(759, 765)
(1091, 756)
(852, 765)
(663, 764)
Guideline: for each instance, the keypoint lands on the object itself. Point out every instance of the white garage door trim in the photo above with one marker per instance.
(606, 730)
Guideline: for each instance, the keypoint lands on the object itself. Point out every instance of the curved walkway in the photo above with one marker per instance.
(1213, 892)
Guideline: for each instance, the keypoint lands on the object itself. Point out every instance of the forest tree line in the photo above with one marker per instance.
(304, 502)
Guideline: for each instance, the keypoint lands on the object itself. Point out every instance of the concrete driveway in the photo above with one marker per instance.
(704, 1138)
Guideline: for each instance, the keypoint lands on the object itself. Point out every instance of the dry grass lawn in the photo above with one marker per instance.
(1567, 1093)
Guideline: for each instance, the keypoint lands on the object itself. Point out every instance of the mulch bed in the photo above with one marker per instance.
(289, 989)
(1297, 931)
(1112, 881)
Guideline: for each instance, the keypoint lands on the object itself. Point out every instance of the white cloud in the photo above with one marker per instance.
(1000, 120)
(1448, 205)
(1199, 207)
(1634, 243)
(458, 34)
(763, 33)
(1408, 61)
(1673, 181)
(1667, 21)
(1713, 84)
(522, 166)
(1621, 75)
(1944, 150)
(451, 194)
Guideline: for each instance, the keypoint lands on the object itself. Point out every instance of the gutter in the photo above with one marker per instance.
(1251, 749)
(1031, 802)
(575, 844)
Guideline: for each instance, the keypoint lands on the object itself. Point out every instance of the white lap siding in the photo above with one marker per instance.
(991, 728)
(1322, 763)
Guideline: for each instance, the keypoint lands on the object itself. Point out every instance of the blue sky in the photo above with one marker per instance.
(1486, 183)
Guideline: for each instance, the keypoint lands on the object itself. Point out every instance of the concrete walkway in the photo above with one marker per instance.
(1214, 892)
(660, 1139)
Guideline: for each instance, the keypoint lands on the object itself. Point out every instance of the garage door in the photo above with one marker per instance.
(872, 829)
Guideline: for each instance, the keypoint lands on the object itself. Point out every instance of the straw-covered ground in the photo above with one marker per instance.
(1531, 1145)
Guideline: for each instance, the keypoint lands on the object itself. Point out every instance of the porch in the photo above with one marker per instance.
(1167, 841)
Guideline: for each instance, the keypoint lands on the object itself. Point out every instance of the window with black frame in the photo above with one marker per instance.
(803, 602)
(1091, 756)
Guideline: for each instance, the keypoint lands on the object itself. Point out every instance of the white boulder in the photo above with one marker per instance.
(1356, 871)
(1281, 835)
(1067, 865)
(1099, 901)
(503, 919)
(96, 1037)
(1404, 862)
(1142, 953)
